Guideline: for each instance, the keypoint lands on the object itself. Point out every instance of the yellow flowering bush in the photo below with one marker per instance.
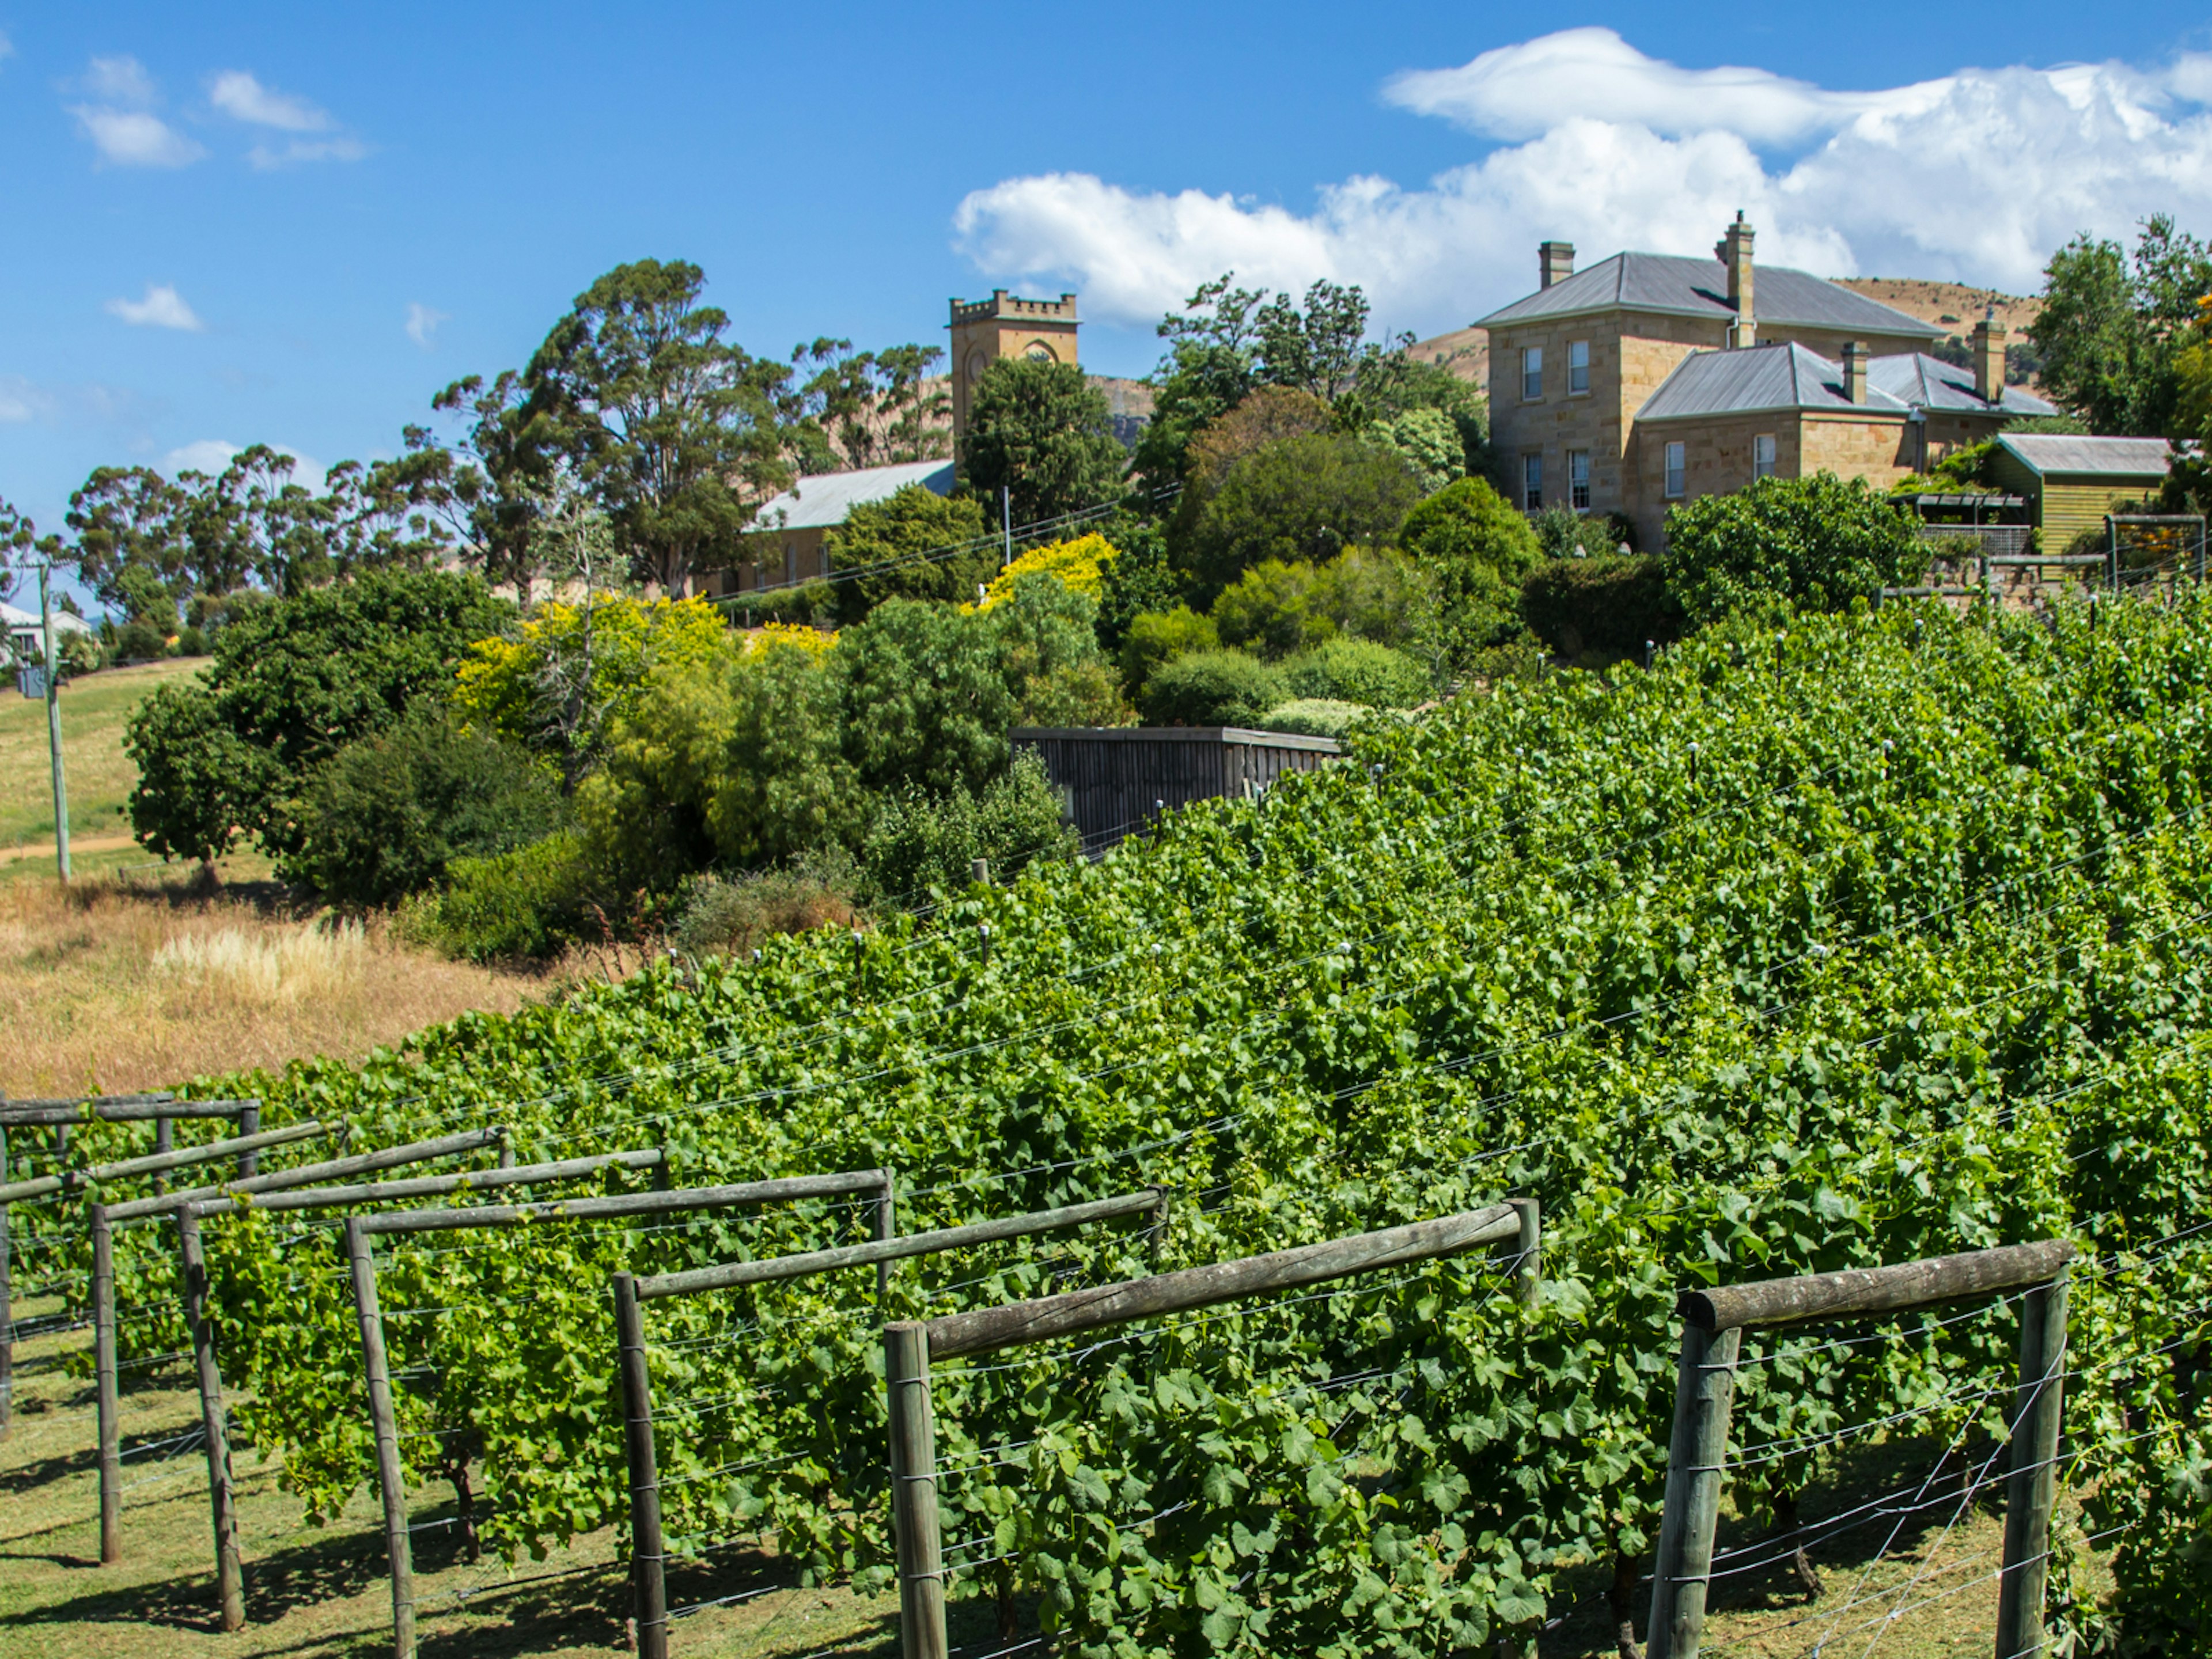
(795, 637)
(572, 669)
(1080, 564)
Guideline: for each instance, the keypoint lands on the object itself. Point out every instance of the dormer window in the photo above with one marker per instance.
(1577, 368)
(1532, 373)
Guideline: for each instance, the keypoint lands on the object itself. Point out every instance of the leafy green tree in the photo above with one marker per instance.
(1047, 636)
(917, 544)
(2111, 330)
(1469, 541)
(385, 816)
(293, 683)
(1041, 432)
(1818, 542)
(128, 518)
(1303, 498)
(1142, 579)
(672, 426)
(1211, 366)
(1322, 349)
(858, 410)
(200, 784)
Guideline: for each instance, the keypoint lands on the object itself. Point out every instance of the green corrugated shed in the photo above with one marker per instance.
(2071, 484)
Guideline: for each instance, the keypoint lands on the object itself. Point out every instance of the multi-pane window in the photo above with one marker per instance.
(1677, 470)
(1762, 456)
(1578, 366)
(1532, 371)
(1578, 480)
(1532, 481)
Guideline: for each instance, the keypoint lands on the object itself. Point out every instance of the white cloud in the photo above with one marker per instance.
(135, 138)
(119, 80)
(240, 95)
(237, 93)
(212, 455)
(1975, 176)
(120, 121)
(423, 324)
(162, 307)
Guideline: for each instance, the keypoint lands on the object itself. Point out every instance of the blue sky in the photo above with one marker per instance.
(221, 221)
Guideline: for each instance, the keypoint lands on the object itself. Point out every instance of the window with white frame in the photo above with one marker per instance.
(1762, 456)
(1678, 467)
(1532, 373)
(1578, 480)
(1532, 482)
(1578, 366)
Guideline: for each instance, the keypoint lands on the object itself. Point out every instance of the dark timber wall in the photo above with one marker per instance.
(1110, 778)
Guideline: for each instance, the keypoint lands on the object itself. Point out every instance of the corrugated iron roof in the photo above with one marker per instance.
(1929, 382)
(1761, 378)
(823, 500)
(1698, 287)
(14, 622)
(2124, 457)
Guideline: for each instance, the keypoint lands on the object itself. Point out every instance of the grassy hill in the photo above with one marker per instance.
(94, 710)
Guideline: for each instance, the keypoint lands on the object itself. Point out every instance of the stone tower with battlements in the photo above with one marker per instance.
(1004, 326)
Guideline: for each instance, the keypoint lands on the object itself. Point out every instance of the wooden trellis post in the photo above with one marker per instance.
(910, 1347)
(1713, 1325)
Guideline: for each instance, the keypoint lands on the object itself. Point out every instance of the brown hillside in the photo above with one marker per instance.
(1464, 351)
(1952, 306)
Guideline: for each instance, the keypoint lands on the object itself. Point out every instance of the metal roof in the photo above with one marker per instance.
(1760, 378)
(824, 498)
(2124, 457)
(1929, 382)
(1698, 287)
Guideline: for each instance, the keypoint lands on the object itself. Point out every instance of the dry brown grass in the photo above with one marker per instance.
(109, 987)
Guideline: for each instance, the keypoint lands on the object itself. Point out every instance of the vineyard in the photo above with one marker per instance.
(1876, 939)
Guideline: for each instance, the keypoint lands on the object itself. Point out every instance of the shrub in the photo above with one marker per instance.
(1563, 533)
(734, 915)
(1609, 605)
(574, 669)
(1212, 688)
(1477, 550)
(530, 904)
(1377, 593)
(1358, 671)
(140, 641)
(1820, 542)
(387, 816)
(1080, 564)
(1273, 609)
(919, 842)
(1139, 581)
(191, 641)
(1046, 636)
(1160, 636)
(810, 604)
(1304, 498)
(1313, 717)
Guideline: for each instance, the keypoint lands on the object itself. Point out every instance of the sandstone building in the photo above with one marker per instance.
(1647, 379)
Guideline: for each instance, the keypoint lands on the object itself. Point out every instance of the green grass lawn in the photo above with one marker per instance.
(100, 775)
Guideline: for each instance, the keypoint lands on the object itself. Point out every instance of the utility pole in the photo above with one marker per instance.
(1006, 524)
(54, 717)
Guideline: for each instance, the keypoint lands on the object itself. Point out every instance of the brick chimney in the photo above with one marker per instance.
(1555, 263)
(1854, 372)
(1734, 251)
(1989, 357)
